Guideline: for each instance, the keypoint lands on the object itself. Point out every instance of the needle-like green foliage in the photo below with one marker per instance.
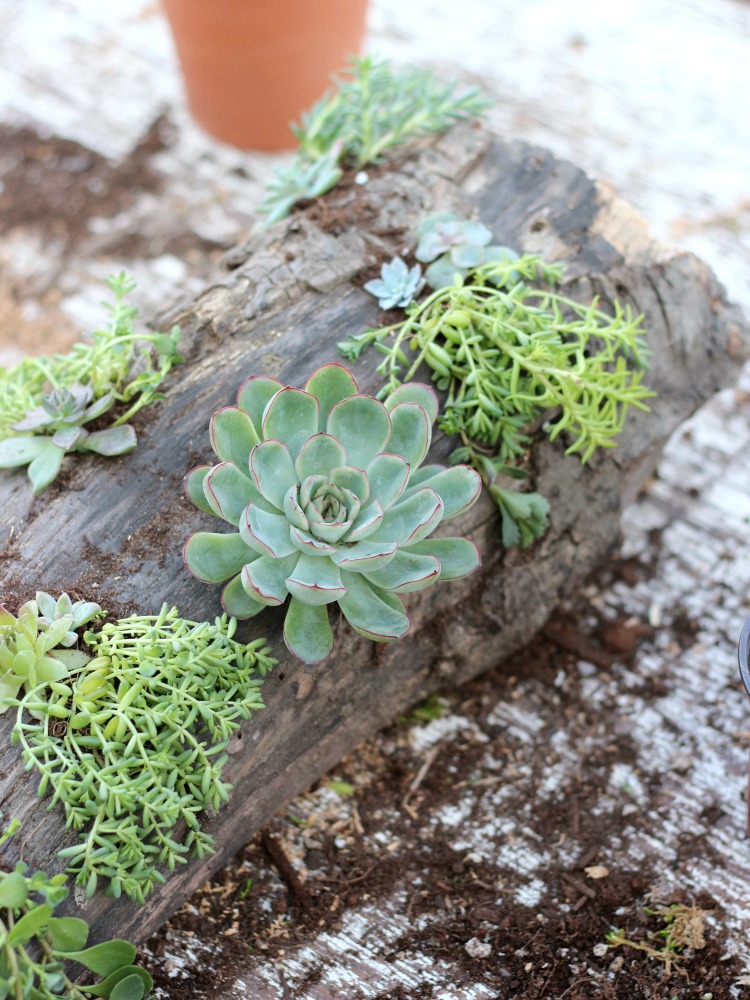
(132, 742)
(45, 401)
(371, 109)
(35, 945)
(507, 351)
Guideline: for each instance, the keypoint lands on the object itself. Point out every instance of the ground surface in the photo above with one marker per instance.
(597, 779)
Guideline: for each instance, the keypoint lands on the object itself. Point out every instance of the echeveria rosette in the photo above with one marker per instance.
(455, 247)
(398, 284)
(331, 506)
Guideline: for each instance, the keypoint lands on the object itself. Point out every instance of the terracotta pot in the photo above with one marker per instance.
(252, 66)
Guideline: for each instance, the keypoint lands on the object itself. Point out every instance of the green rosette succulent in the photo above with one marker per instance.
(325, 488)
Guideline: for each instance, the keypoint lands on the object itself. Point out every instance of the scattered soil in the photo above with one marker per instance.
(371, 832)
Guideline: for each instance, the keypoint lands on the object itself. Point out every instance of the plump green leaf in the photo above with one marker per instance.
(307, 631)
(458, 487)
(292, 416)
(354, 480)
(415, 392)
(214, 558)
(254, 396)
(458, 556)
(105, 958)
(228, 492)
(304, 541)
(365, 556)
(44, 468)
(363, 427)
(406, 572)
(130, 988)
(233, 436)
(315, 581)
(30, 925)
(387, 476)
(68, 933)
(106, 988)
(192, 485)
(410, 520)
(319, 456)
(13, 890)
(112, 441)
(20, 450)
(371, 611)
(330, 384)
(367, 522)
(263, 579)
(273, 471)
(236, 602)
(267, 534)
(411, 434)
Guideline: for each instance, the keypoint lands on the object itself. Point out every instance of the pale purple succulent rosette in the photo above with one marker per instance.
(325, 488)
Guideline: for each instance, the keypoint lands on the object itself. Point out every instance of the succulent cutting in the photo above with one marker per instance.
(398, 284)
(456, 246)
(324, 488)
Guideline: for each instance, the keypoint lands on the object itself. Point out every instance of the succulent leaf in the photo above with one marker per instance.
(415, 392)
(233, 436)
(328, 514)
(192, 486)
(19, 451)
(45, 467)
(111, 441)
(254, 396)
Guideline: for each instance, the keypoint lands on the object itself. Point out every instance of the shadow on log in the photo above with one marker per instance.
(114, 531)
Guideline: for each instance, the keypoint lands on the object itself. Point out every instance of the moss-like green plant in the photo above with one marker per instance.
(34, 647)
(45, 401)
(372, 108)
(132, 742)
(330, 505)
(35, 945)
(507, 351)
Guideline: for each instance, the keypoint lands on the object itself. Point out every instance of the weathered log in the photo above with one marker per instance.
(117, 527)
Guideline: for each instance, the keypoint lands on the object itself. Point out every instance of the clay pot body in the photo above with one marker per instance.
(252, 66)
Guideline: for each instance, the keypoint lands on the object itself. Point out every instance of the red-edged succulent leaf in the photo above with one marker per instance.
(192, 486)
(458, 556)
(411, 434)
(319, 456)
(415, 392)
(315, 581)
(292, 416)
(371, 611)
(233, 436)
(236, 602)
(458, 487)
(406, 572)
(273, 471)
(267, 534)
(363, 426)
(330, 384)
(254, 396)
(307, 631)
(214, 558)
(410, 520)
(263, 579)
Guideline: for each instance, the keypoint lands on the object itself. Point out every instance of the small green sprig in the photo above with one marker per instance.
(53, 396)
(133, 742)
(27, 905)
(507, 352)
(372, 108)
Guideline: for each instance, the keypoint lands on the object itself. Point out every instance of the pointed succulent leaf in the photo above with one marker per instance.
(192, 486)
(330, 384)
(233, 436)
(415, 392)
(307, 631)
(365, 556)
(254, 396)
(112, 441)
(370, 612)
(43, 470)
(370, 518)
(387, 476)
(213, 557)
(329, 531)
(315, 581)
(263, 579)
(410, 520)
(308, 487)
(363, 426)
(407, 572)
(458, 556)
(267, 534)
(99, 407)
(411, 434)
(273, 471)
(293, 509)
(354, 480)
(237, 602)
(458, 487)
(68, 436)
(20, 450)
(229, 492)
(293, 417)
(320, 454)
(306, 542)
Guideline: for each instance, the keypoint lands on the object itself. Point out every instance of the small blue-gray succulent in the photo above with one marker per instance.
(398, 285)
(57, 428)
(330, 505)
(456, 246)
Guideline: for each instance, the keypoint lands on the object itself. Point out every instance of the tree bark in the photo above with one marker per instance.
(114, 532)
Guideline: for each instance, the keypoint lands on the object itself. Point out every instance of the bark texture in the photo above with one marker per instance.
(117, 527)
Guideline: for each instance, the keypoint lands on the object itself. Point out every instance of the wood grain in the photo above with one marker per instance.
(117, 528)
